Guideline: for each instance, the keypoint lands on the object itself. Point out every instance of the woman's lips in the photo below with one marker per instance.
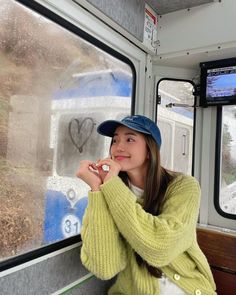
(120, 158)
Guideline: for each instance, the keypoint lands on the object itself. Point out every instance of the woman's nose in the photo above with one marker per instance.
(120, 146)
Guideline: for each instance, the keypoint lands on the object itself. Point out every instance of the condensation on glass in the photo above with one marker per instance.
(55, 89)
(175, 118)
(227, 197)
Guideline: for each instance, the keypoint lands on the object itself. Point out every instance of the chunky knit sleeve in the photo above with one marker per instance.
(103, 251)
(157, 239)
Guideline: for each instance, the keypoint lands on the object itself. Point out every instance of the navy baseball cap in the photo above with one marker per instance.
(137, 122)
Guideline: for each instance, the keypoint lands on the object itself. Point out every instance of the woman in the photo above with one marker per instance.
(140, 223)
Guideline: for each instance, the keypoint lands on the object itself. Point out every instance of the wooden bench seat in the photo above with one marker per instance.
(220, 250)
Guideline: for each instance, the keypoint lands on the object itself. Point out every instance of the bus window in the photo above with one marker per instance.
(227, 191)
(175, 117)
(55, 89)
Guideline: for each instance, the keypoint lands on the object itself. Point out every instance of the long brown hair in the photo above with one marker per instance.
(156, 183)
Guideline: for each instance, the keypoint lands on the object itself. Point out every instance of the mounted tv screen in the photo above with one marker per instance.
(218, 82)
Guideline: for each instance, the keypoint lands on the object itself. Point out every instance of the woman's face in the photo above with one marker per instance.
(129, 149)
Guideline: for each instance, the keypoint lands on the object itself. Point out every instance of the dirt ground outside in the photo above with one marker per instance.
(21, 212)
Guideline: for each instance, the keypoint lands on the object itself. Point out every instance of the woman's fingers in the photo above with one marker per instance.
(97, 173)
(108, 168)
(106, 162)
(88, 172)
(102, 172)
(83, 166)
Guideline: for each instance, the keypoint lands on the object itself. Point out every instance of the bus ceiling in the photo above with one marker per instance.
(164, 7)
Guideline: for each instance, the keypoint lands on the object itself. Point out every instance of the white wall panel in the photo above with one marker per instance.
(206, 27)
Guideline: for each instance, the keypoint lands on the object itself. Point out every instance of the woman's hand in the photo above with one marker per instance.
(96, 174)
(113, 169)
(89, 173)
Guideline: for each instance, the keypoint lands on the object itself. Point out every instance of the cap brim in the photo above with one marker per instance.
(108, 127)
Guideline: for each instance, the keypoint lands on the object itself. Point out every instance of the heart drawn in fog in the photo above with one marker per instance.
(80, 132)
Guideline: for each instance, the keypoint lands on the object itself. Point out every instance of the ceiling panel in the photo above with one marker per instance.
(167, 6)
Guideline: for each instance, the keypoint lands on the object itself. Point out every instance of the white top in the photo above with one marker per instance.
(136, 190)
(167, 287)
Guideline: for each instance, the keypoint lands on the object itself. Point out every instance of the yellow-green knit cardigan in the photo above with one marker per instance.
(115, 225)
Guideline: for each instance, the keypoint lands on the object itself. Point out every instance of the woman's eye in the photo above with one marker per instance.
(130, 139)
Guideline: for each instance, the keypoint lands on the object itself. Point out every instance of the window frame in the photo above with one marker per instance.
(217, 180)
(44, 11)
(194, 110)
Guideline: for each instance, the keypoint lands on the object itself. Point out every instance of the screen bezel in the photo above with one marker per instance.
(222, 100)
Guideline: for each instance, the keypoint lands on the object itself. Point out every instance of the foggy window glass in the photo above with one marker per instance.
(175, 116)
(55, 90)
(227, 198)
